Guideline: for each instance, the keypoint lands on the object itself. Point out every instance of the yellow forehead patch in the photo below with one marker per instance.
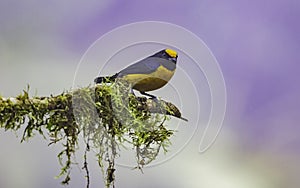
(171, 52)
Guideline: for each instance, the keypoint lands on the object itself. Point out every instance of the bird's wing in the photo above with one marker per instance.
(145, 66)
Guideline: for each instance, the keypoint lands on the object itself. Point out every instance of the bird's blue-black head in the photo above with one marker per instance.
(168, 54)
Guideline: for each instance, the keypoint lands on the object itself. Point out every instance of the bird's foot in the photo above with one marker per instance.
(149, 95)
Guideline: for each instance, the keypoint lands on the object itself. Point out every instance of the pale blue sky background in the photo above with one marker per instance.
(256, 44)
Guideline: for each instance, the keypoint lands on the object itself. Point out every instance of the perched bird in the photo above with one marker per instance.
(147, 74)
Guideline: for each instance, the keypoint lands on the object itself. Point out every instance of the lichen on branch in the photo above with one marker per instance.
(106, 115)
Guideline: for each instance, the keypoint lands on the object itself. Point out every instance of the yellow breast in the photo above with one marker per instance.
(152, 81)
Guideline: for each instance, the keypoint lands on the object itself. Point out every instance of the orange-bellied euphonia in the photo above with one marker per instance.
(147, 74)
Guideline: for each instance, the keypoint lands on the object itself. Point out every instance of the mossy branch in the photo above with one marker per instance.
(106, 115)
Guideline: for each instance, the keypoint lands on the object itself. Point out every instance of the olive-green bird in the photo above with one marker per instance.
(147, 74)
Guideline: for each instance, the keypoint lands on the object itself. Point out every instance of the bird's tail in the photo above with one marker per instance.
(105, 79)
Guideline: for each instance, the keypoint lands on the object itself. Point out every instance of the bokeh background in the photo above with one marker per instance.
(255, 42)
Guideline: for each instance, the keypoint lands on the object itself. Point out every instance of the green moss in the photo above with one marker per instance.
(107, 116)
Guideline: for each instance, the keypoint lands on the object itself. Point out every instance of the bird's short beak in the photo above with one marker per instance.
(174, 59)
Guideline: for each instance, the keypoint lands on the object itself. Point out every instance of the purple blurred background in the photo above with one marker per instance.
(255, 42)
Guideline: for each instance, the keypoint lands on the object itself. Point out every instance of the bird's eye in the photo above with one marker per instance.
(165, 54)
